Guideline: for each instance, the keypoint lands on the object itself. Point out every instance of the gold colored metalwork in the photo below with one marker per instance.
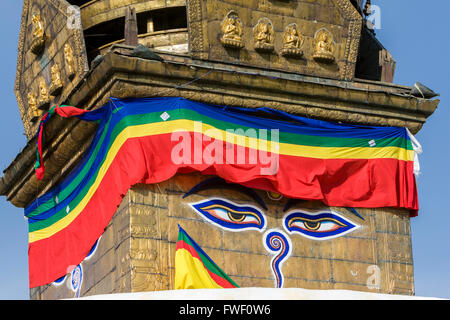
(51, 26)
(263, 35)
(57, 84)
(33, 111)
(44, 98)
(69, 61)
(324, 47)
(232, 31)
(292, 42)
(38, 40)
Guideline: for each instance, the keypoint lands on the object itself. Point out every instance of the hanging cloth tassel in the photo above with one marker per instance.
(63, 111)
(417, 151)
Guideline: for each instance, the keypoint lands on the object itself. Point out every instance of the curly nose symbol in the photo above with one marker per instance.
(277, 242)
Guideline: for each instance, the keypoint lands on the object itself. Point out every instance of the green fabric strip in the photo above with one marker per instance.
(206, 260)
(142, 119)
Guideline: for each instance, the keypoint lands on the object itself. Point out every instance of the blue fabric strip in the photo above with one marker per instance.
(116, 109)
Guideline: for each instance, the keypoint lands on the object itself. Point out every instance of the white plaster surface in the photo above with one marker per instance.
(254, 294)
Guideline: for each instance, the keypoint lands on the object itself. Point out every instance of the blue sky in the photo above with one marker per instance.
(413, 31)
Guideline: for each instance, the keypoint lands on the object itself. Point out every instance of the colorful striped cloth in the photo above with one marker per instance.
(340, 165)
(63, 111)
(194, 269)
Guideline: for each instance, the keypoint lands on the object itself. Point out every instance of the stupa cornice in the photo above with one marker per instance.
(123, 76)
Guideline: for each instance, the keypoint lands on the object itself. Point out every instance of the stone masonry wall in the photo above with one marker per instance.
(137, 251)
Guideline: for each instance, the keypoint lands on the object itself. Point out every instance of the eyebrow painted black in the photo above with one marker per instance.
(219, 183)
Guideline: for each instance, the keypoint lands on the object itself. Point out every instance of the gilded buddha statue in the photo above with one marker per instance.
(292, 41)
(44, 97)
(324, 47)
(33, 111)
(69, 61)
(38, 34)
(232, 31)
(57, 84)
(263, 35)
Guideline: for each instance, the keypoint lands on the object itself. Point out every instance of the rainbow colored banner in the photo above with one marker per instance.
(151, 140)
(194, 269)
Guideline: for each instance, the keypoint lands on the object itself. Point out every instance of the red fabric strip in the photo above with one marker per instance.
(147, 160)
(63, 111)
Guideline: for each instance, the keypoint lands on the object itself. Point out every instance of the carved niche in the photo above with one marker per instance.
(44, 97)
(232, 31)
(292, 42)
(51, 59)
(286, 27)
(69, 60)
(263, 35)
(324, 47)
(38, 33)
(57, 83)
(33, 112)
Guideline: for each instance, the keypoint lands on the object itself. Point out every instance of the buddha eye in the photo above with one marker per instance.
(318, 225)
(229, 215)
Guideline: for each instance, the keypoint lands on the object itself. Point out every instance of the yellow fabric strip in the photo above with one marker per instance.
(190, 273)
(193, 126)
(284, 148)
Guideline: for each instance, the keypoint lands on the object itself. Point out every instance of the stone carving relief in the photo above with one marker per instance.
(341, 19)
(38, 33)
(69, 61)
(324, 47)
(44, 97)
(292, 42)
(263, 35)
(232, 31)
(34, 112)
(57, 84)
(44, 33)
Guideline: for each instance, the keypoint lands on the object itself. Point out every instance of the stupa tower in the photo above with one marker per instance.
(315, 60)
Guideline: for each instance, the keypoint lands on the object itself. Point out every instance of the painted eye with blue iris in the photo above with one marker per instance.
(225, 213)
(229, 215)
(318, 225)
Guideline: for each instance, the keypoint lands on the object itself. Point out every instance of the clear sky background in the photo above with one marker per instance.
(416, 34)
